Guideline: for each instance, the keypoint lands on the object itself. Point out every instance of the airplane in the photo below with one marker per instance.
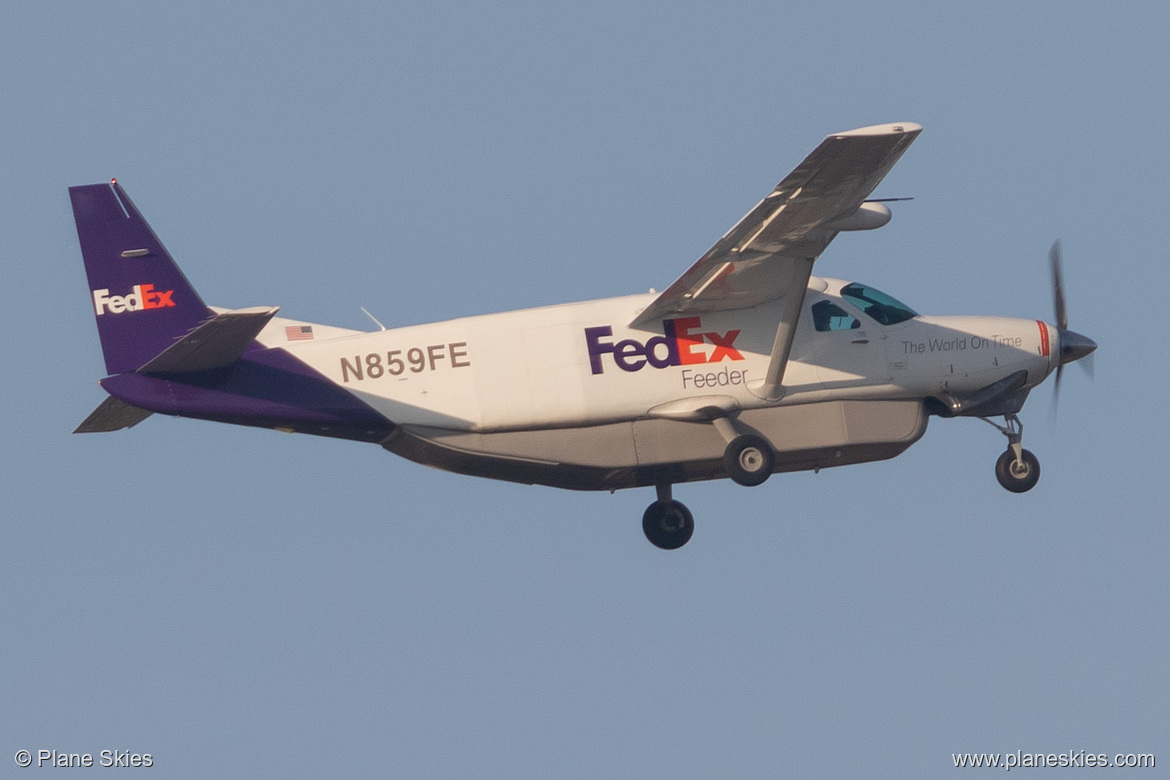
(747, 365)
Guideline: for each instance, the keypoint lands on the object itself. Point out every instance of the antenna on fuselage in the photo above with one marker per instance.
(372, 317)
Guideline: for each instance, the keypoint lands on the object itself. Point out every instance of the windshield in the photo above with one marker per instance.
(877, 304)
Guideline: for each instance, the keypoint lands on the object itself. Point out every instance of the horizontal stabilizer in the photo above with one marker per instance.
(217, 343)
(112, 415)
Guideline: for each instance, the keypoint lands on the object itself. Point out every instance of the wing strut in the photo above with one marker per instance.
(770, 389)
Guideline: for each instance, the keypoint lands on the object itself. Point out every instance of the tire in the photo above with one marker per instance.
(1018, 477)
(749, 459)
(668, 524)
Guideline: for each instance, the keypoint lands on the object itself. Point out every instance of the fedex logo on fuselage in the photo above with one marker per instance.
(680, 345)
(143, 296)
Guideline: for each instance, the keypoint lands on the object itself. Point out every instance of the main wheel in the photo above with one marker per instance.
(749, 459)
(668, 524)
(1017, 476)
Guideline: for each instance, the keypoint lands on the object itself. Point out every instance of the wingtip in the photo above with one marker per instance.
(890, 128)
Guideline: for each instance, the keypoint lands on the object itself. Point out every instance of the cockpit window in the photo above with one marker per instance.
(829, 316)
(877, 304)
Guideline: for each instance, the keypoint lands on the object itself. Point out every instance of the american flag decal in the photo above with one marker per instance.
(298, 332)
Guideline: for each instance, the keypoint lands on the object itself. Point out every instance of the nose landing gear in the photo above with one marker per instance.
(1017, 469)
(1018, 475)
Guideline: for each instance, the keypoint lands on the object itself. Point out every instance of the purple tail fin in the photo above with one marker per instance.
(141, 300)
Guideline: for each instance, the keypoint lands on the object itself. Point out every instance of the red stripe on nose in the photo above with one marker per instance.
(1043, 338)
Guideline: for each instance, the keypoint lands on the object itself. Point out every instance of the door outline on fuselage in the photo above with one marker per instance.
(846, 357)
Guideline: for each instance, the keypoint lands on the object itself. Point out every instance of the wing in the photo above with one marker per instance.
(770, 251)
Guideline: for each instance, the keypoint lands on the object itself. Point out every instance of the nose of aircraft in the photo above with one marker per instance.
(1074, 346)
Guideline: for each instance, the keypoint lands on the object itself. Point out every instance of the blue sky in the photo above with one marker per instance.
(240, 602)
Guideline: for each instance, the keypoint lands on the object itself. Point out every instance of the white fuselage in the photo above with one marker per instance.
(579, 364)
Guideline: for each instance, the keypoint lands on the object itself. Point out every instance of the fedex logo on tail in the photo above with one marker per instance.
(143, 296)
(680, 345)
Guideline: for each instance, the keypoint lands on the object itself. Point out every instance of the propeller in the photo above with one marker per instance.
(1073, 346)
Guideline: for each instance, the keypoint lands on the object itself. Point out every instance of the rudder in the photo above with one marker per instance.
(141, 300)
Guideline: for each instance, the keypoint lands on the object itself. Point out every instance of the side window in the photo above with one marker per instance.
(829, 316)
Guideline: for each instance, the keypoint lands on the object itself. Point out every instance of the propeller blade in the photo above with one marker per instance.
(1087, 365)
(1073, 346)
(1058, 303)
(1056, 390)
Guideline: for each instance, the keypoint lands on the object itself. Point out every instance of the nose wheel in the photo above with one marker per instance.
(1018, 475)
(1017, 469)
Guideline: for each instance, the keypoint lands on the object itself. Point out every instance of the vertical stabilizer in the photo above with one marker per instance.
(141, 300)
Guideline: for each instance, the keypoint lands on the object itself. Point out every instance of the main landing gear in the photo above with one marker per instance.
(1017, 469)
(748, 459)
(667, 523)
